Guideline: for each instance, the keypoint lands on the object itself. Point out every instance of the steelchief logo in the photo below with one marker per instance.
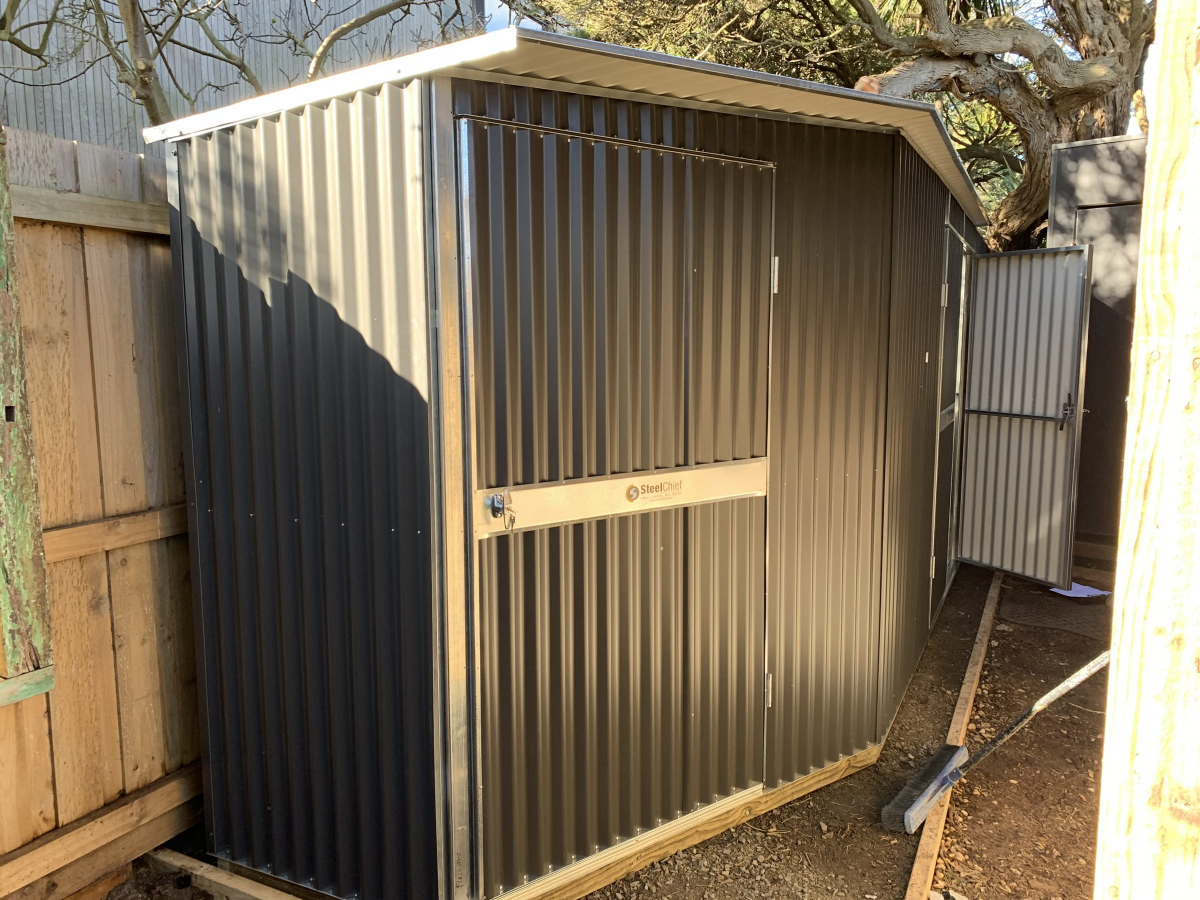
(653, 490)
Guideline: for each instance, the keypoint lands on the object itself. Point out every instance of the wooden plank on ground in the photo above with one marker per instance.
(1149, 829)
(1095, 550)
(75, 876)
(87, 739)
(65, 845)
(587, 875)
(64, 208)
(921, 878)
(593, 873)
(221, 884)
(102, 887)
(72, 541)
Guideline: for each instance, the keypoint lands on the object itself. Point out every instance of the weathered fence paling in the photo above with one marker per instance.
(99, 332)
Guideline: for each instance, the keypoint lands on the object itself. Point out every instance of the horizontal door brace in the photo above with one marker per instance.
(1013, 415)
(498, 510)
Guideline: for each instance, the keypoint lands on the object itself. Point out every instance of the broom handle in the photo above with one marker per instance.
(1021, 721)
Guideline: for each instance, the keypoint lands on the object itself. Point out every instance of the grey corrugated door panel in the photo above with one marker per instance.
(620, 297)
(1026, 342)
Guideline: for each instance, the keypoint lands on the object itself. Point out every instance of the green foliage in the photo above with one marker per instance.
(988, 144)
(807, 39)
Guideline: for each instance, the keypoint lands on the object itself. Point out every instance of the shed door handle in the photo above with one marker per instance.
(1068, 412)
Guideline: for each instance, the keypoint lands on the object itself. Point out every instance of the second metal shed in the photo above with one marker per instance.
(572, 437)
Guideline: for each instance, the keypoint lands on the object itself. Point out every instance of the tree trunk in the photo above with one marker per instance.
(1149, 830)
(1019, 222)
(141, 73)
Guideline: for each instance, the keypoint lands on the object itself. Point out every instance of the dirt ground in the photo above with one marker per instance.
(829, 844)
(1023, 824)
(147, 884)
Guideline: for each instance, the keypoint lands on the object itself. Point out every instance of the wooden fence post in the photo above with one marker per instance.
(1149, 839)
(25, 657)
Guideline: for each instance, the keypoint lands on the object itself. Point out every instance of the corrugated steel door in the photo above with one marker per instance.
(1026, 340)
(619, 298)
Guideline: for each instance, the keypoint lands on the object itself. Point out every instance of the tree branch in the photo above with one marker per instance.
(324, 48)
(238, 62)
(993, 154)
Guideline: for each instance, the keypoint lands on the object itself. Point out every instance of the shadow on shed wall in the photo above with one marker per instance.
(306, 371)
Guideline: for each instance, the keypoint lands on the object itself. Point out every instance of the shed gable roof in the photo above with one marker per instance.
(575, 63)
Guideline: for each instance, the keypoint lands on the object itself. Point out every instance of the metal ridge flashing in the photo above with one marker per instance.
(402, 68)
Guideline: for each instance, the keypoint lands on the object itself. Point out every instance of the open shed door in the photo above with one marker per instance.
(1026, 336)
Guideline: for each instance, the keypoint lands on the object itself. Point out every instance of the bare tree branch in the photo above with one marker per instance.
(322, 51)
(234, 59)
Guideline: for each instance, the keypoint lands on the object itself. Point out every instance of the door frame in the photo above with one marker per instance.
(955, 243)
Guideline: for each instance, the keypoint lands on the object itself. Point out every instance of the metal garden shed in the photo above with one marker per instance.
(572, 438)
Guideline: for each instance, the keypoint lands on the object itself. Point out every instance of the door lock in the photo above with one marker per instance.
(500, 505)
(1068, 412)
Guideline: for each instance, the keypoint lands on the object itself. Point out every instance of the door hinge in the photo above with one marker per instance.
(768, 690)
(932, 567)
(945, 294)
(775, 275)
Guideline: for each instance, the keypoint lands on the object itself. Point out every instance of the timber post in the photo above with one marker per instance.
(1149, 837)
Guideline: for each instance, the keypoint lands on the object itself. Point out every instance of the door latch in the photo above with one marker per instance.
(1068, 412)
(500, 505)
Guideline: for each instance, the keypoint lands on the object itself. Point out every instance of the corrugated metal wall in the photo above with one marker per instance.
(1028, 318)
(828, 389)
(834, 223)
(622, 666)
(303, 310)
(621, 299)
(304, 303)
(913, 394)
(607, 336)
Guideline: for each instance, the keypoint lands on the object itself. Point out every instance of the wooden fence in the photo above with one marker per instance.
(100, 768)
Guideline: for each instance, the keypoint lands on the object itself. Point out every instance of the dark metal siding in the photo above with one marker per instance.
(607, 283)
(305, 392)
(1096, 198)
(621, 298)
(834, 220)
(913, 395)
(828, 388)
(623, 685)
